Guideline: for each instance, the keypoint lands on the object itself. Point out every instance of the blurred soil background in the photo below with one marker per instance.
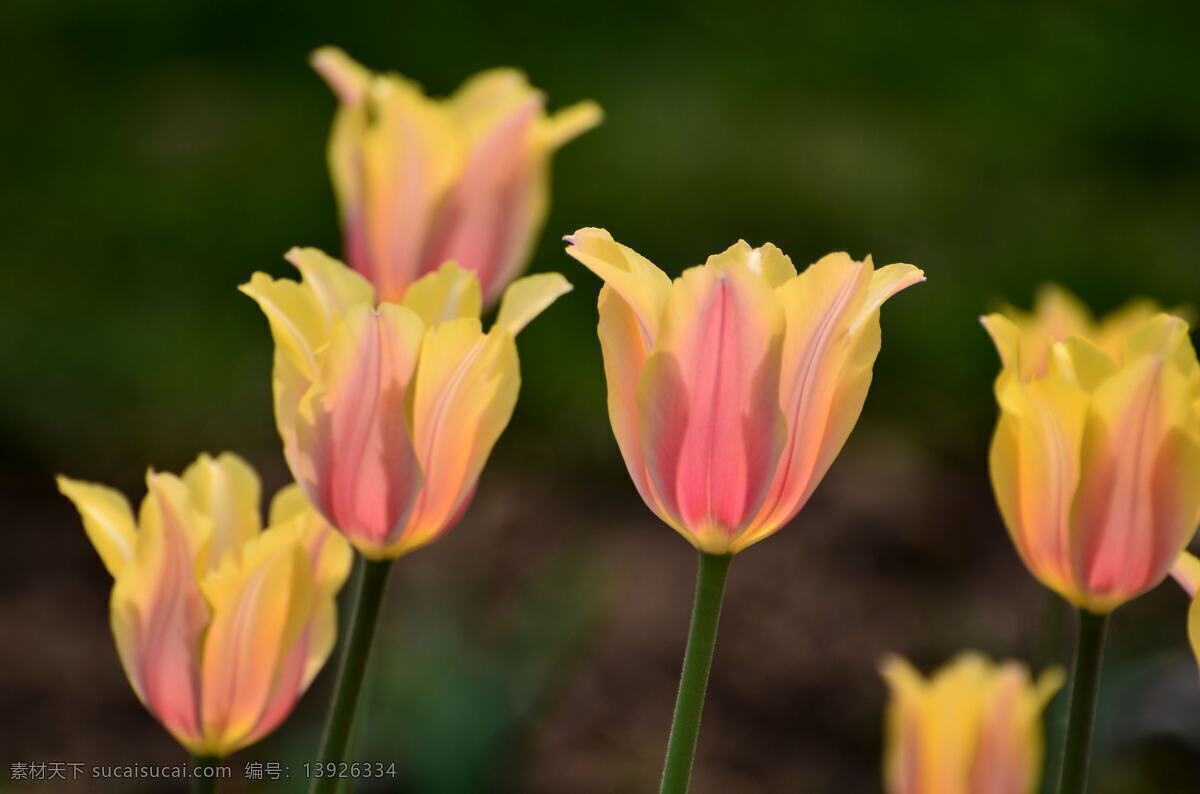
(158, 153)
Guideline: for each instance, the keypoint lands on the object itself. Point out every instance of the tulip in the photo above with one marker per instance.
(730, 391)
(1095, 464)
(388, 413)
(420, 181)
(973, 727)
(1096, 457)
(220, 625)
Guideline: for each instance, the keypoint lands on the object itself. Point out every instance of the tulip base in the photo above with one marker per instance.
(368, 598)
(697, 661)
(1081, 711)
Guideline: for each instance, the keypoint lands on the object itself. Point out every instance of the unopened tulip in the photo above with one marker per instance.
(220, 625)
(1096, 457)
(732, 389)
(420, 181)
(388, 412)
(975, 727)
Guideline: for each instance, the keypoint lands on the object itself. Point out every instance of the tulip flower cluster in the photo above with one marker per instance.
(221, 625)
(731, 391)
(388, 394)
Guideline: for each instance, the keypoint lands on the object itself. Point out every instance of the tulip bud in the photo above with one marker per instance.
(220, 625)
(1096, 457)
(974, 726)
(421, 181)
(388, 413)
(732, 388)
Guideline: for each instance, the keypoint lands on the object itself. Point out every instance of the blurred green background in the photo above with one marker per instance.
(158, 153)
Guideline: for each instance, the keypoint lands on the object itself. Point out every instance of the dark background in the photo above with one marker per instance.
(156, 153)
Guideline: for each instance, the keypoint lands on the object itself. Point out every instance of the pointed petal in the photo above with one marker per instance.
(296, 323)
(466, 388)
(447, 293)
(639, 283)
(226, 490)
(333, 286)
(570, 122)
(820, 363)
(528, 297)
(345, 76)
(107, 520)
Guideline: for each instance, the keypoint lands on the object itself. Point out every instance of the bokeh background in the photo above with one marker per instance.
(158, 153)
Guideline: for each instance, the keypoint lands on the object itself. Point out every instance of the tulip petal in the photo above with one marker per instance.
(409, 157)
(569, 123)
(158, 612)
(365, 475)
(1035, 468)
(333, 286)
(487, 219)
(828, 354)
(767, 261)
(259, 609)
(329, 559)
(107, 520)
(296, 323)
(636, 279)
(625, 350)
(346, 77)
(466, 388)
(712, 428)
(1130, 527)
(1187, 572)
(447, 293)
(528, 297)
(226, 490)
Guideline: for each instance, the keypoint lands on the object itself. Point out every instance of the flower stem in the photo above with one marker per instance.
(1081, 710)
(697, 660)
(203, 785)
(371, 583)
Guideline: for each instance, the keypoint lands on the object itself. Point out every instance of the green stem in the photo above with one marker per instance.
(697, 660)
(204, 785)
(371, 583)
(1081, 710)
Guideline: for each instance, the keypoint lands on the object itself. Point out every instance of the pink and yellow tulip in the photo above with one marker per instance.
(1096, 457)
(388, 413)
(420, 181)
(732, 389)
(973, 727)
(220, 625)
